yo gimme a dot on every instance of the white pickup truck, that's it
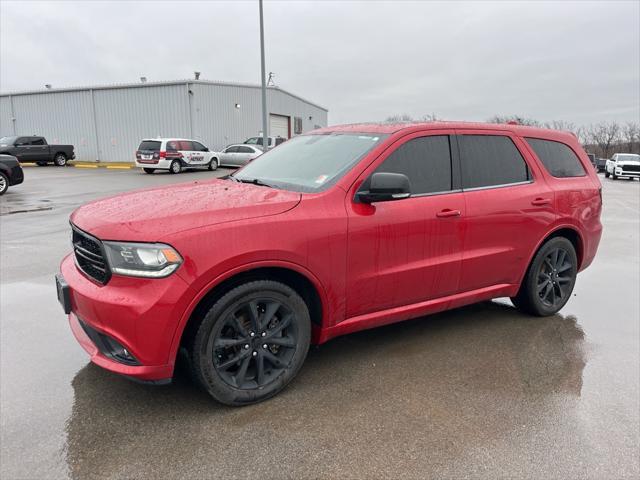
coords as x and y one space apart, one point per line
623 165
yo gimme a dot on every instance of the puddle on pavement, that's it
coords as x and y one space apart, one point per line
441 380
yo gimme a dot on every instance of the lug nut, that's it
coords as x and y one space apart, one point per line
251 334
254 353
263 334
247 346
264 346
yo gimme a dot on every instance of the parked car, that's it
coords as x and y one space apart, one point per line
174 155
36 149
335 231
623 165
592 159
239 155
10 172
601 164
272 141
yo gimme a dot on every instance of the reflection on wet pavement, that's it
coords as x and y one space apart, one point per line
445 377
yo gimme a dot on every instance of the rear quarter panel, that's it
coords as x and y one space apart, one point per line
577 199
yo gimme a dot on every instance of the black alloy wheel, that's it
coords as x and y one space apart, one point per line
554 278
251 343
549 280
256 343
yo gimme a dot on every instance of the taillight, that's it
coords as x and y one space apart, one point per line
163 154
137 154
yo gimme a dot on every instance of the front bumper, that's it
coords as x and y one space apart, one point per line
626 174
142 315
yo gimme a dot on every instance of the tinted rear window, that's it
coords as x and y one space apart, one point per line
559 160
491 160
149 145
426 161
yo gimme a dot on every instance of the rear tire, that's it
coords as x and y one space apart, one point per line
175 167
60 159
149 170
4 183
251 343
549 280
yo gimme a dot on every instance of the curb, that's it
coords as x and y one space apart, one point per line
111 166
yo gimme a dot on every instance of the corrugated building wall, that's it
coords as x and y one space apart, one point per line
107 123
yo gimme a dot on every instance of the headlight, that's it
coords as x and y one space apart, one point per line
152 260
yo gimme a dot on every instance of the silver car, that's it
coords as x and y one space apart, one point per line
238 155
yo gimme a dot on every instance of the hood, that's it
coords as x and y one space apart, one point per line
149 215
628 162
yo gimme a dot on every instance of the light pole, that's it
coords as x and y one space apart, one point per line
265 133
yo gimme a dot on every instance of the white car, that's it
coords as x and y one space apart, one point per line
174 154
623 165
272 142
238 155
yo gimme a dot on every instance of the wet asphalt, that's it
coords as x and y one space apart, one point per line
478 392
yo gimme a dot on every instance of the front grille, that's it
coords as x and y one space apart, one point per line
631 168
90 256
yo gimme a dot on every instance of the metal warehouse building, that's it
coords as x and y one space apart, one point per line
106 123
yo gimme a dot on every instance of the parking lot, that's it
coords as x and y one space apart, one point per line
477 392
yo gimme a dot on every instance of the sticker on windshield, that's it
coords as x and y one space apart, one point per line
321 179
364 137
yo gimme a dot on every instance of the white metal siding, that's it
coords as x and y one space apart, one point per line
124 115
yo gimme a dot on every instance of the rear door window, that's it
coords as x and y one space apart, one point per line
426 161
153 146
231 150
245 150
559 160
491 160
37 141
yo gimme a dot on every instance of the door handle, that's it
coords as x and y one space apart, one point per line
447 213
538 202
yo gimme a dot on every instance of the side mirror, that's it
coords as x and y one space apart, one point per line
384 187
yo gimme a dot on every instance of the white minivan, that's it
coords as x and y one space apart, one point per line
174 154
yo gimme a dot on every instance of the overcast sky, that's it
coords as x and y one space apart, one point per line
364 61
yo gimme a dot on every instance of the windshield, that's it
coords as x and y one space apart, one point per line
309 163
7 140
254 141
628 158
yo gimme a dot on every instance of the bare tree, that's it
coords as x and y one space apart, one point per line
605 136
631 137
398 118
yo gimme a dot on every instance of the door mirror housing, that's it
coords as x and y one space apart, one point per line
385 187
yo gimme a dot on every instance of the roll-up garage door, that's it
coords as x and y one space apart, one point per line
278 126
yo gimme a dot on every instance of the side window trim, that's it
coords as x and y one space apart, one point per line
530 176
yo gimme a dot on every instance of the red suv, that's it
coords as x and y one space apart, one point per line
339 230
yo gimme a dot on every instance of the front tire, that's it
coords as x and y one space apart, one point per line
149 170
60 159
4 183
175 167
251 343
550 279
213 164
606 173
614 176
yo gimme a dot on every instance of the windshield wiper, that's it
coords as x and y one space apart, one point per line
253 181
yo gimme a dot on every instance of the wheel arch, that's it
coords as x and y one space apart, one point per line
303 282
571 233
